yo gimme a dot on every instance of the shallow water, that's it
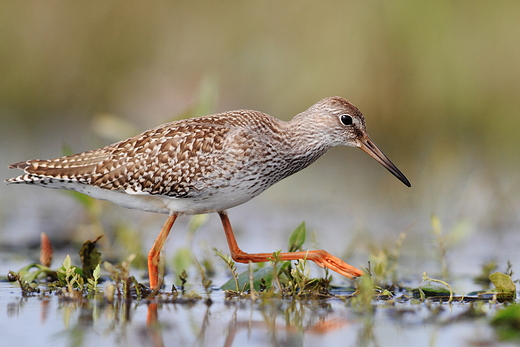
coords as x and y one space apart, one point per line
51 321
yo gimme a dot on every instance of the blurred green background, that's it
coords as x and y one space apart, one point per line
437 81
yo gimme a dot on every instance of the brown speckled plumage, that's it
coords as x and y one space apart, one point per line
193 158
210 164
237 153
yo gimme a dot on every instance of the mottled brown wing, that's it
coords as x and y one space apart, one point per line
177 159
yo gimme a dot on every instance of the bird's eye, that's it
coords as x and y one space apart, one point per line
346 119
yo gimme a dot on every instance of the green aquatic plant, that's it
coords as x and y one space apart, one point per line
34 271
361 300
206 282
71 276
183 259
122 280
231 265
297 238
90 257
289 279
275 261
505 288
27 288
433 291
92 282
383 262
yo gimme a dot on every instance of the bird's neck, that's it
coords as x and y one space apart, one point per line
306 137
304 144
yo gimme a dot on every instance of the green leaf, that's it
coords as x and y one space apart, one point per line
97 272
431 290
503 285
67 262
90 257
29 276
182 260
297 237
265 273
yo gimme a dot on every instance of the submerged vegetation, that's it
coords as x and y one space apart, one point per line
111 284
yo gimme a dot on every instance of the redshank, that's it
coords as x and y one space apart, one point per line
210 164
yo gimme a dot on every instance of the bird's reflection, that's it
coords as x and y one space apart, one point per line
280 322
163 319
153 328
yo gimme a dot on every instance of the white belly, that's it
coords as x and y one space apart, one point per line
218 201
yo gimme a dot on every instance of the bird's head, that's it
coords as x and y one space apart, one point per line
338 122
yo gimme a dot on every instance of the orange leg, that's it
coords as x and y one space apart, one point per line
320 257
153 327
155 253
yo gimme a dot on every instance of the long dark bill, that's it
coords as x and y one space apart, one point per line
370 148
